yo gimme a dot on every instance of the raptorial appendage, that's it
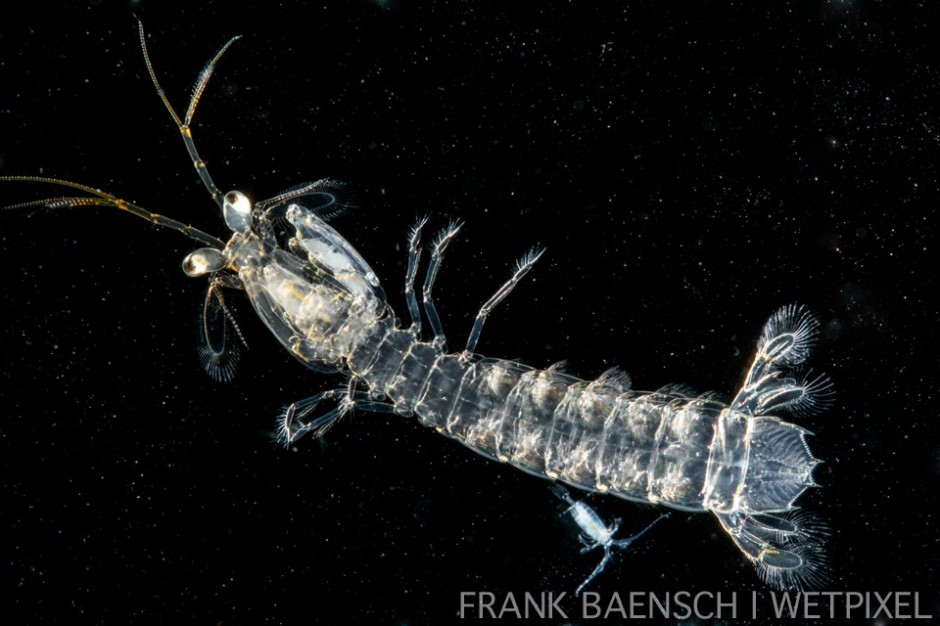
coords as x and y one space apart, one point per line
760 464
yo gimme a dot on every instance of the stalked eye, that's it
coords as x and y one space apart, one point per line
236 208
203 261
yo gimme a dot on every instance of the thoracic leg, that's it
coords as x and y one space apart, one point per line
523 265
414 251
440 244
294 423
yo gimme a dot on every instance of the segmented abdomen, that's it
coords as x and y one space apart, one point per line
596 435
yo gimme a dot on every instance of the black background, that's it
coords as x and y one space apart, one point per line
690 169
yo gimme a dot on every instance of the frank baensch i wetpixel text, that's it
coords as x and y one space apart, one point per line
641 605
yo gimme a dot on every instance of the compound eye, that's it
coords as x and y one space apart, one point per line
203 261
236 208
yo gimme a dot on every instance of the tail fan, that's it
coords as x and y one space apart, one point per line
785 549
773 464
784 345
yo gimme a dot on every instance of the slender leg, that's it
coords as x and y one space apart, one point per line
623 543
294 424
374 407
444 237
597 570
523 265
414 252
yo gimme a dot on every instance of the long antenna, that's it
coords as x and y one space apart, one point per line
184 124
103 199
100 198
